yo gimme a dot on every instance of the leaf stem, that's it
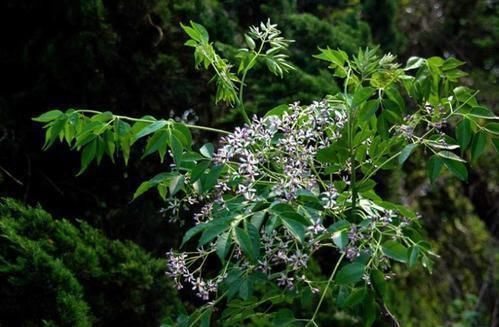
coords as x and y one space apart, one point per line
205 128
351 127
191 126
243 78
381 165
240 98
312 320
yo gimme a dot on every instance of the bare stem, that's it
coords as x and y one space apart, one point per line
191 126
312 320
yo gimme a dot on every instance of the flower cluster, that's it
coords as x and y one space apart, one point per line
178 270
282 150
273 160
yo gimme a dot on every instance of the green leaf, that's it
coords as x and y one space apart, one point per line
245 289
206 317
369 310
88 132
157 142
277 111
413 255
196 31
48 116
465 95
478 145
245 243
193 232
296 228
99 153
223 245
394 95
193 34
110 146
396 207
192 157
463 133
354 298
283 317
435 61
87 155
122 135
181 129
379 282
254 235
336 57
55 130
350 273
326 155
365 185
444 146
199 170
209 180
151 128
395 251
233 282
207 150
143 187
434 167
368 109
176 184
414 63
406 152
450 156
257 219
201 31
340 238
361 95
293 221
249 41
495 141
103 117
492 128
457 168
287 211
213 230
451 64
177 149
155 181
339 225
482 112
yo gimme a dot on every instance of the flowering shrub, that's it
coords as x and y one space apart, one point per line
295 189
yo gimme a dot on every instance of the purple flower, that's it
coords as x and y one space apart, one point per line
315 228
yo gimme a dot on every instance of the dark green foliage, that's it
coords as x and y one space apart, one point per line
381 16
461 289
69 274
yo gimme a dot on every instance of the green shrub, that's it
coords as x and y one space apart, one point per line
63 273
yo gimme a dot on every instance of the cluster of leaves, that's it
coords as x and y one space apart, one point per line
107 134
58 273
267 212
436 102
205 54
264 44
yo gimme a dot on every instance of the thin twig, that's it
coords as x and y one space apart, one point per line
11 176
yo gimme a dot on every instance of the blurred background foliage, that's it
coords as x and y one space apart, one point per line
129 57
69 273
